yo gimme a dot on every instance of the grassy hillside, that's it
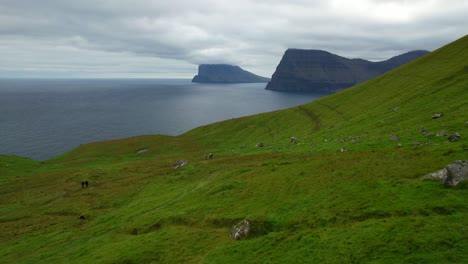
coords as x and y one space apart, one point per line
307 202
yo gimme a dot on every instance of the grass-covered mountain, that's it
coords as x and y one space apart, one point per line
224 73
307 202
321 71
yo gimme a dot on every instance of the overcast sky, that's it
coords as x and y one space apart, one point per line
169 38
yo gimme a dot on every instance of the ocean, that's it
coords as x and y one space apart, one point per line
42 118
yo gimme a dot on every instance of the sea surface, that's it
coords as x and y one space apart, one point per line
42 118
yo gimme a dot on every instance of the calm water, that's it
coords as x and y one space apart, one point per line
43 118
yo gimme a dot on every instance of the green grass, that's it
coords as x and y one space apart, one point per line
307 202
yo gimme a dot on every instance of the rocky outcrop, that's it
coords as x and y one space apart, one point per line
451 175
223 73
321 71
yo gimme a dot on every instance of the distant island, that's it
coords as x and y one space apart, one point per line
224 73
321 71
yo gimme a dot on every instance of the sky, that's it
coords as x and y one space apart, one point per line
170 38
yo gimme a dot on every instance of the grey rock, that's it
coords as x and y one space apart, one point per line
293 140
454 137
394 138
180 163
457 172
437 115
344 149
259 145
441 134
440 175
451 175
241 230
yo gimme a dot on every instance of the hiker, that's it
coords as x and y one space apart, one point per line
86 184
82 184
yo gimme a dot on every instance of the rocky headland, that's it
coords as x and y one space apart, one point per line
320 71
224 73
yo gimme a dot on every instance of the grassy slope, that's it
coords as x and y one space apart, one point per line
308 202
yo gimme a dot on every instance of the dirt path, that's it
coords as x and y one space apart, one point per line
313 117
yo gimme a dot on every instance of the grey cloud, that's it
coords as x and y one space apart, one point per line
179 34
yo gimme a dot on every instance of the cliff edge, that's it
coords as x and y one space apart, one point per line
321 71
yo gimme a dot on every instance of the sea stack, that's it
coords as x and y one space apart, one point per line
224 73
323 72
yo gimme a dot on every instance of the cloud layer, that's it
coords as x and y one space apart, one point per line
137 38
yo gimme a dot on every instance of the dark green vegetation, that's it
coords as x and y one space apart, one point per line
224 73
320 71
307 202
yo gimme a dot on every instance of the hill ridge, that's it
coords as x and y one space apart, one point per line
321 71
225 73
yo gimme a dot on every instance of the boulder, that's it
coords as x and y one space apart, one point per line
241 230
451 175
456 172
454 137
259 145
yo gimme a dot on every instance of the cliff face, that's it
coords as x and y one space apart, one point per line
321 71
223 73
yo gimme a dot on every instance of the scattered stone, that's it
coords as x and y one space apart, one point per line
344 149
436 115
210 155
454 137
259 145
415 144
399 145
141 151
441 134
394 138
423 131
293 140
180 163
241 230
396 108
451 175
